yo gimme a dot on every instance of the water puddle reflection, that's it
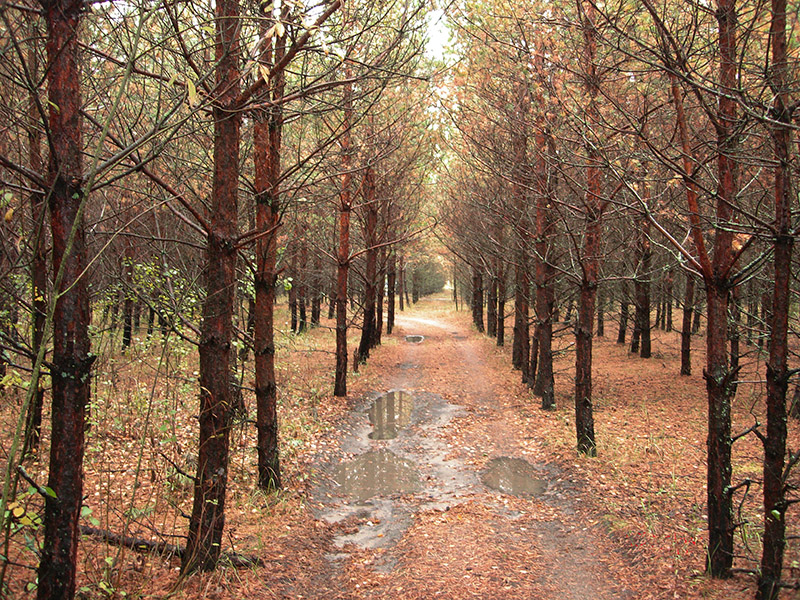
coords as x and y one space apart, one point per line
513 476
390 413
415 339
377 473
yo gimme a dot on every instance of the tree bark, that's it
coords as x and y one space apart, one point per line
775 503
477 299
207 521
72 360
267 133
127 310
401 283
719 378
590 260
343 254
544 383
642 286
33 429
491 307
371 270
391 285
379 295
501 305
686 326
624 311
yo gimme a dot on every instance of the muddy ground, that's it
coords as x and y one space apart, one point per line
458 504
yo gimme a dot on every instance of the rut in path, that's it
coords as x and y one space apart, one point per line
417 520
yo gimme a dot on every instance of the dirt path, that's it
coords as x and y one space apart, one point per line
416 516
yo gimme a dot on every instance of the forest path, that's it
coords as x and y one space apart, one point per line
414 517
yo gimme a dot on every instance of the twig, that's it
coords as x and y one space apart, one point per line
24 474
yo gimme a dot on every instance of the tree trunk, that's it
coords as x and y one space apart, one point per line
686 327
698 310
491 308
33 429
718 385
601 325
127 311
391 285
501 305
637 327
719 378
401 283
477 299
71 359
521 342
534 362
206 524
642 285
371 270
293 294
343 255
301 276
668 298
316 292
267 134
544 384
624 310
733 329
590 260
379 294
775 503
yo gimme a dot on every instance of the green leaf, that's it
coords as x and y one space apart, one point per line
50 492
194 99
776 515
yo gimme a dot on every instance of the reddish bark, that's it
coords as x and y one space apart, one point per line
590 260
207 521
267 162
775 502
520 349
72 360
371 269
343 254
719 378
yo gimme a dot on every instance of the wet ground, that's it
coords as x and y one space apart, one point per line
438 493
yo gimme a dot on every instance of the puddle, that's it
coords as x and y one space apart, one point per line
390 413
513 476
415 339
376 473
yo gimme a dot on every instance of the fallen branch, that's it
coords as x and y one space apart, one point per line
142 545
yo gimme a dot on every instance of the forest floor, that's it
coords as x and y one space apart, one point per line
440 476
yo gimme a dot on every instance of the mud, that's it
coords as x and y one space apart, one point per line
390 413
514 476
